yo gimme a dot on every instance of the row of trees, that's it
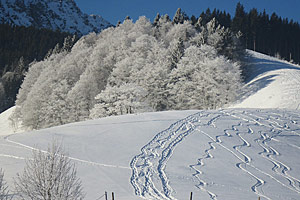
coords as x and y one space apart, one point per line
19 46
269 34
48 175
134 67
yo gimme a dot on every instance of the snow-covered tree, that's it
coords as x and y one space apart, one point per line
126 99
179 17
177 51
4 193
203 80
156 20
130 66
49 175
34 110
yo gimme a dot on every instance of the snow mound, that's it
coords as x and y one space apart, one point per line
275 84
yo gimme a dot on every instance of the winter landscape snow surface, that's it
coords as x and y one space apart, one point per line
248 151
275 84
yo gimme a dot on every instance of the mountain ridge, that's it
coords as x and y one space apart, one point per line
63 15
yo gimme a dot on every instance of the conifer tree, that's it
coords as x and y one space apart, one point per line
156 20
179 17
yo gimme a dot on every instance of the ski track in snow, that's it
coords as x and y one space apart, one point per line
262 141
20 145
150 180
152 161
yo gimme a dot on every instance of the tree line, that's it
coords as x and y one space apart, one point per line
19 46
269 34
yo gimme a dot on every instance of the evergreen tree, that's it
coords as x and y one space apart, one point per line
240 20
177 51
19 46
193 20
156 20
179 17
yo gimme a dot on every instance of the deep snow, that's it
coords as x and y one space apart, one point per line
236 153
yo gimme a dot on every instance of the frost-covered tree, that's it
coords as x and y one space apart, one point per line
4 193
126 99
131 66
222 39
177 51
156 20
203 80
179 17
49 175
34 110
42 99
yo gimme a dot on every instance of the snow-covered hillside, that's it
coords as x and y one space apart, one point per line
236 153
52 14
224 154
274 84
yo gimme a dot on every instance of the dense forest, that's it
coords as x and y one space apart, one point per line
19 46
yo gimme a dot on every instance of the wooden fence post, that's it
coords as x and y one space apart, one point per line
105 195
191 196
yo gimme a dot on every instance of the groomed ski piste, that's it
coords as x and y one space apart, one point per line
243 152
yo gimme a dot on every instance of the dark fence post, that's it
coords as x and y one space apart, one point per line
191 197
112 196
105 195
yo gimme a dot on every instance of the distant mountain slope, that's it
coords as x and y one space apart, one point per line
274 84
63 15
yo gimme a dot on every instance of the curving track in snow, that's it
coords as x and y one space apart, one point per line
248 139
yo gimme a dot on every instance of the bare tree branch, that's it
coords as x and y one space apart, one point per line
49 176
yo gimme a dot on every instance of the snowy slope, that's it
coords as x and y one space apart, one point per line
224 154
52 14
6 126
275 84
236 153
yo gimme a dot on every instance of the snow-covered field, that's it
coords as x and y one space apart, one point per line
238 153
